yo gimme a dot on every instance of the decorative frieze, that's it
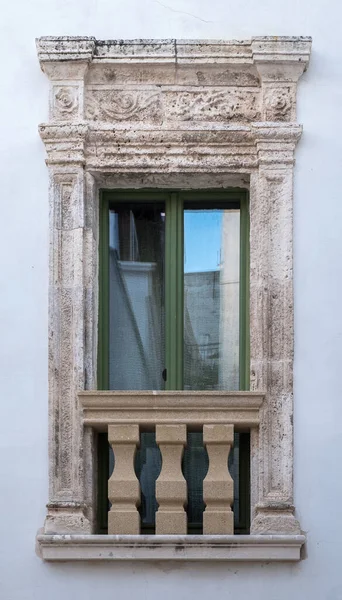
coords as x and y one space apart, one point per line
166 105
122 105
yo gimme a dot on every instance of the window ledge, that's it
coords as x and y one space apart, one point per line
171 547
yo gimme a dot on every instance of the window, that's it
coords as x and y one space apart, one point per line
176 115
174 316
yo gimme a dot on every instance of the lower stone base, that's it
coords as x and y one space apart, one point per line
66 517
275 519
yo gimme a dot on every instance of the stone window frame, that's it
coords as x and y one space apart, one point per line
121 115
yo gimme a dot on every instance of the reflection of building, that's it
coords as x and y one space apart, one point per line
135 341
136 355
201 329
229 301
211 328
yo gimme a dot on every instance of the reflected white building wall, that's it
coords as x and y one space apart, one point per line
229 301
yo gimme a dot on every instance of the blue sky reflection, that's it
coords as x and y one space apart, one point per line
202 240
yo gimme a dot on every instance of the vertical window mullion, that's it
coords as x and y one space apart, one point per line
103 326
244 295
174 267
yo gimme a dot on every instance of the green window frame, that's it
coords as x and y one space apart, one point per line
175 201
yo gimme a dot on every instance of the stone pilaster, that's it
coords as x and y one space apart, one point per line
71 291
271 302
71 270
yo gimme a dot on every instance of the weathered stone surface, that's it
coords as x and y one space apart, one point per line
260 548
168 113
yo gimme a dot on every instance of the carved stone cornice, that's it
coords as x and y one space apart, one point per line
281 49
265 49
171 82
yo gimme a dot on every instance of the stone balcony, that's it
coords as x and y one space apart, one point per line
124 415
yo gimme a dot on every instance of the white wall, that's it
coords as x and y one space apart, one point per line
23 299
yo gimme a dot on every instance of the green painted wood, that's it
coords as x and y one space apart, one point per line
103 323
174 259
103 362
244 343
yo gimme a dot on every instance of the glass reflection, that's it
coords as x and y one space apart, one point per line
211 299
136 297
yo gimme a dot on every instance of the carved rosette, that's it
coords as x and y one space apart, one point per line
66 102
279 104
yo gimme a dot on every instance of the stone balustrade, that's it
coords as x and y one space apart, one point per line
125 414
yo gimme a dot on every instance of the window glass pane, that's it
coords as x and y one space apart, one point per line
211 299
136 296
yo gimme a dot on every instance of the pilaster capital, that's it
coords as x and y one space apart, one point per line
276 142
65 60
280 62
64 143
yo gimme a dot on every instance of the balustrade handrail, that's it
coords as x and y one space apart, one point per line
103 408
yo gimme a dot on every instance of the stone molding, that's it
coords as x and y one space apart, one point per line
170 113
102 409
251 548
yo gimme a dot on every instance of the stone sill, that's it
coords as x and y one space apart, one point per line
170 547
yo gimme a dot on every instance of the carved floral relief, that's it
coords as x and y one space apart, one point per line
65 102
278 104
168 105
212 105
117 105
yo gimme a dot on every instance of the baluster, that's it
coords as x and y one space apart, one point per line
123 485
171 488
218 487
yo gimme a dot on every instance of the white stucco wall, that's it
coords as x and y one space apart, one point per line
23 300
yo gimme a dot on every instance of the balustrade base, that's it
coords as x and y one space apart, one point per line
170 547
218 522
175 521
124 521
